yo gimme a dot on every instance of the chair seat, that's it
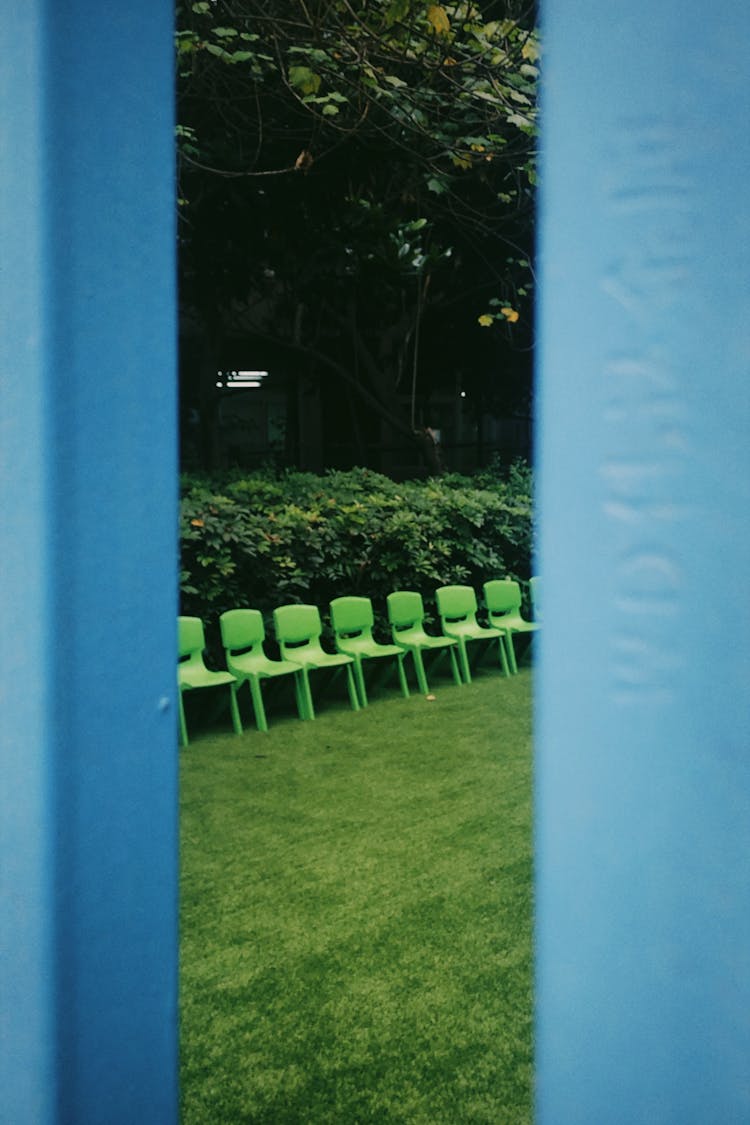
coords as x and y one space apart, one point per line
253 664
471 631
321 659
353 618
419 639
298 630
203 677
358 646
517 623
406 617
502 597
192 672
457 607
243 633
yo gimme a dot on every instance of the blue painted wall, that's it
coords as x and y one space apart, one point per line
643 763
87 474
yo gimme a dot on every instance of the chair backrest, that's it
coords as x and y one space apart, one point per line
535 592
191 639
502 595
297 624
456 603
242 629
352 616
405 609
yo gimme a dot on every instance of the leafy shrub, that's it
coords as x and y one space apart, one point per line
264 540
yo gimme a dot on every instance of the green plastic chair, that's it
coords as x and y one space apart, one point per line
298 629
193 674
406 617
535 591
243 634
502 596
457 607
352 619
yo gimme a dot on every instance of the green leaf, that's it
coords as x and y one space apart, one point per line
215 49
523 123
530 49
329 110
304 79
397 10
486 96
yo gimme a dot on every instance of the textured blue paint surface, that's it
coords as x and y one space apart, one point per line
88 447
26 831
643 724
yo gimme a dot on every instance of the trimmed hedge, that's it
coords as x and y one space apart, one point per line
264 539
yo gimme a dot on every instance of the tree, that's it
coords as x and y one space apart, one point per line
356 183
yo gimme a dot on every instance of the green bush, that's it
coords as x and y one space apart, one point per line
264 540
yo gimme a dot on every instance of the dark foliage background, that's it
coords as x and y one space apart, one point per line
356 182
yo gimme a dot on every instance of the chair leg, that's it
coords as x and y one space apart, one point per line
360 678
501 645
299 696
419 671
402 675
454 665
463 657
352 689
306 693
236 720
183 725
511 648
260 712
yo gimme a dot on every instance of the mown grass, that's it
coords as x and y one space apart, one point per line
356 914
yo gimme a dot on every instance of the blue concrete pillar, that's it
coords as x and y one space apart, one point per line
88 586
643 753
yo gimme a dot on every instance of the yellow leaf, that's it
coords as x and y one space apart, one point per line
196 523
438 17
459 160
486 320
510 314
304 79
530 50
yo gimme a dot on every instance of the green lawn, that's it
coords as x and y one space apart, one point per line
357 913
